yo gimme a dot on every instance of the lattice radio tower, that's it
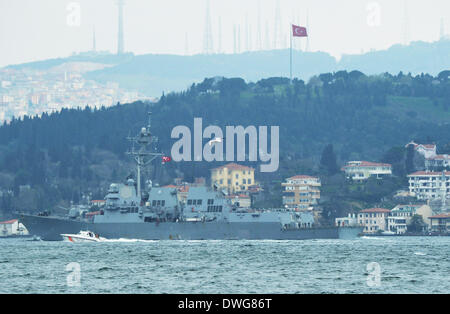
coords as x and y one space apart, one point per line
120 39
278 32
208 46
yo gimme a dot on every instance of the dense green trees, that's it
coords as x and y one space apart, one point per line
72 152
416 225
409 163
328 161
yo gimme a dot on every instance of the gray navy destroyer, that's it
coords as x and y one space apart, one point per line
159 213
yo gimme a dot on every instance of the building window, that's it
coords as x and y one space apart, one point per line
249 181
244 181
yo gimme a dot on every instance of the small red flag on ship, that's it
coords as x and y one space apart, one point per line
166 159
299 31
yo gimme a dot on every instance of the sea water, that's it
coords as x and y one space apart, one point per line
364 265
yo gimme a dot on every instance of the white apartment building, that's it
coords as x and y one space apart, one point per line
374 219
401 216
426 150
440 223
301 191
363 170
428 185
437 162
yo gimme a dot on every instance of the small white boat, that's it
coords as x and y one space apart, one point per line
83 236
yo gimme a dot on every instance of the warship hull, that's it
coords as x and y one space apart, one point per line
51 228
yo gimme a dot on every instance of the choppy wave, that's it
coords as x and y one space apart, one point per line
406 265
123 240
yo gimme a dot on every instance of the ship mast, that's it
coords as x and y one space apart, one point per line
142 155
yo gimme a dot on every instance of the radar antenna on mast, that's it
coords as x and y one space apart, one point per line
142 155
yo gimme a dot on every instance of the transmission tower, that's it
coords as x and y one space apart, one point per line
247 32
442 30
278 32
309 31
267 38
208 46
186 44
94 45
234 39
259 45
219 49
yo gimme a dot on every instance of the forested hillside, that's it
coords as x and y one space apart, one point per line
62 157
151 74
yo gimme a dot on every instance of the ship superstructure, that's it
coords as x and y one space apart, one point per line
153 212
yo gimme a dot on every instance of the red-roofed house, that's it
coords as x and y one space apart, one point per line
233 177
363 170
440 223
401 216
301 191
428 185
374 219
426 150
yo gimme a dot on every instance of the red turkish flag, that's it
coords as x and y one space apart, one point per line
299 31
166 159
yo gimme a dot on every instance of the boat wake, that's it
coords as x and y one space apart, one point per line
371 238
123 240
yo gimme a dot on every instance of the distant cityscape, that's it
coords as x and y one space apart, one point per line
32 92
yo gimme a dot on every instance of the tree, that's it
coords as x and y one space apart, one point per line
416 224
445 149
409 162
328 160
395 156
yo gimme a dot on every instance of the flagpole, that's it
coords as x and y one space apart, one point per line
290 32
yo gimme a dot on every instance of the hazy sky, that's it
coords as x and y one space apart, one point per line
40 29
